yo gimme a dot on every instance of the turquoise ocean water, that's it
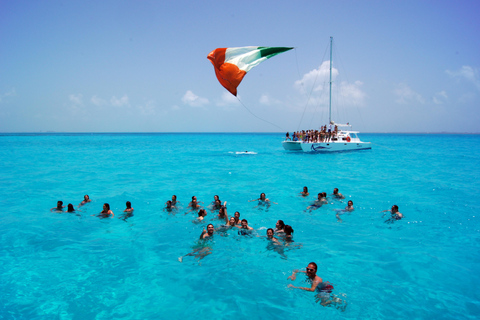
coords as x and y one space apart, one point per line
78 266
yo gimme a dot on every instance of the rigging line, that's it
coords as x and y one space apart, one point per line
273 124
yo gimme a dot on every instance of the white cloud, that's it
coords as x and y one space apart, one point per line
316 85
228 99
440 97
123 101
267 100
318 79
193 100
76 99
468 73
7 94
405 95
148 108
98 101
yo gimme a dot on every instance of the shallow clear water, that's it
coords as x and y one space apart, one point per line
77 266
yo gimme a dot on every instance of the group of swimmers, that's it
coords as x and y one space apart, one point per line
105 213
322 135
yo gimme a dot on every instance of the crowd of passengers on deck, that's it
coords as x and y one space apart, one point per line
316 136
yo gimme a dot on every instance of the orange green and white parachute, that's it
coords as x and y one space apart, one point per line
232 64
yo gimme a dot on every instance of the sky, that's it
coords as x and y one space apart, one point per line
141 66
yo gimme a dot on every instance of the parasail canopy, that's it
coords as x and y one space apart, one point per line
232 64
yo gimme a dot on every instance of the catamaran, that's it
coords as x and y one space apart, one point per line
344 140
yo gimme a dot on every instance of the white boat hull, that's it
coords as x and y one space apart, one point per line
335 146
292 145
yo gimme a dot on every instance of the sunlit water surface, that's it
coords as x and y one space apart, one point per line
78 266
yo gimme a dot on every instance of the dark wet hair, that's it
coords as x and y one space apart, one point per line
270 229
305 188
202 213
175 197
288 230
314 264
70 208
335 191
395 207
129 204
107 205
282 224
245 220
209 225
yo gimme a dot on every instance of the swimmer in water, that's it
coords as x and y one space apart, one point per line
169 206
216 205
349 206
263 200
288 234
174 201
323 289
128 212
129 207
208 233
237 217
244 228
106 212
270 236
86 199
59 207
279 226
222 212
395 215
202 213
194 204
317 203
304 193
337 195
70 208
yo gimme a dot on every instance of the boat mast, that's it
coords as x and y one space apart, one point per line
330 104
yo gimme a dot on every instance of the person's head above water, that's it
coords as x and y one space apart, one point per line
270 232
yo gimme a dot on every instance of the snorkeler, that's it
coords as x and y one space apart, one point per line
59 206
337 195
323 289
86 199
304 193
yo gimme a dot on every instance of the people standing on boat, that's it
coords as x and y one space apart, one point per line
337 195
59 206
86 199
287 136
294 138
304 193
